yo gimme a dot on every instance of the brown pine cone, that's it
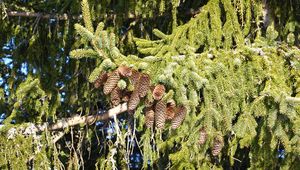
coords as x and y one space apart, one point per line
143 84
126 96
179 117
149 117
171 109
203 136
160 109
133 101
100 80
217 146
170 113
134 78
111 82
158 91
115 96
125 71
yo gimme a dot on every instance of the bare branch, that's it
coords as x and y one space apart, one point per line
76 120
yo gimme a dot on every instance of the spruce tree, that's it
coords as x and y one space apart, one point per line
217 88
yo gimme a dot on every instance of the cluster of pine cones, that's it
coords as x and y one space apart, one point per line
218 142
157 111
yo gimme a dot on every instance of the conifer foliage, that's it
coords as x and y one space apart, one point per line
219 91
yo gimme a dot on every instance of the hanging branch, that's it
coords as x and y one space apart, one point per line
91 119
88 120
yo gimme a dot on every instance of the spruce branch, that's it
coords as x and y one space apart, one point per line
87 16
84 32
80 53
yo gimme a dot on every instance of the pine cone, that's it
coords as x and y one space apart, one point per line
171 109
111 82
100 80
115 96
126 96
170 113
149 117
125 71
160 109
179 117
217 146
203 136
144 84
158 91
133 101
134 78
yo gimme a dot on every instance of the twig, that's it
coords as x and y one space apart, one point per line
57 136
236 159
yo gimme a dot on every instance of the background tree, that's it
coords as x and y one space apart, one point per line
196 84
